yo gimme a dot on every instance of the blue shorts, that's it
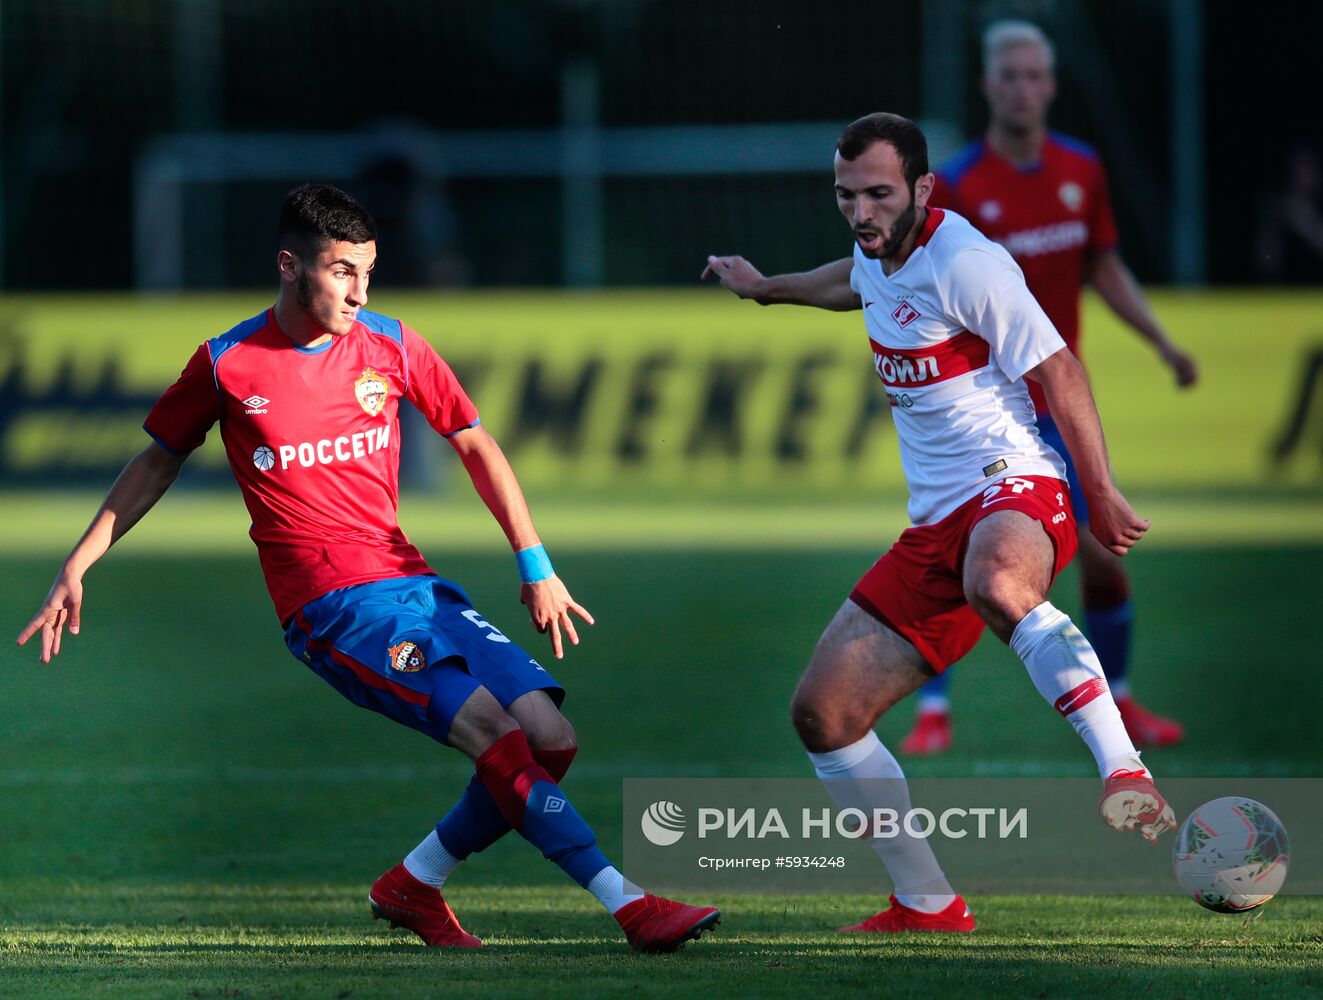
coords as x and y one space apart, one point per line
413 649
1047 430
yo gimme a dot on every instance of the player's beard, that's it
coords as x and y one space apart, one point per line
895 236
303 294
900 229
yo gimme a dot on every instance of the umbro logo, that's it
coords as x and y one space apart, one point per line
554 805
255 404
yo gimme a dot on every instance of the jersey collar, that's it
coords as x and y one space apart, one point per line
935 217
271 314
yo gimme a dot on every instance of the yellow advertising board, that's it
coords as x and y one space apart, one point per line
682 393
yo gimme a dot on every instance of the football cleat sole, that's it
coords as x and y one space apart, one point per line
708 923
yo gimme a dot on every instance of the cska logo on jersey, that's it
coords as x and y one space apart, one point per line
905 314
406 658
1071 195
371 389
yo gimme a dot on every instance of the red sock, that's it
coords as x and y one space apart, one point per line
555 762
506 769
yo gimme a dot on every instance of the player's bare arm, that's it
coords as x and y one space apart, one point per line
1111 519
143 481
1119 289
825 287
548 601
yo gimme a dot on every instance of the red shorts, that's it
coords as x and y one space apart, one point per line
916 589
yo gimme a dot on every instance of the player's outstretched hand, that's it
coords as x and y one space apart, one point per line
1182 366
1114 522
735 274
549 605
63 606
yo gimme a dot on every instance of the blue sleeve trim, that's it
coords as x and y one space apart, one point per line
217 346
172 451
384 325
1073 145
954 170
464 428
392 328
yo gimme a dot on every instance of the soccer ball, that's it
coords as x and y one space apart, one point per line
1231 854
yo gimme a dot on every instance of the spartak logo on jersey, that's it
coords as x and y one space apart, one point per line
905 314
406 658
371 389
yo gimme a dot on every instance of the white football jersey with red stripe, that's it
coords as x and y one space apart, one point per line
953 331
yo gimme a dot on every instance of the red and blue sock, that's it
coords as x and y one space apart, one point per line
932 696
475 822
533 804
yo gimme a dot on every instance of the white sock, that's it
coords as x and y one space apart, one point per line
864 775
611 889
1066 671
430 863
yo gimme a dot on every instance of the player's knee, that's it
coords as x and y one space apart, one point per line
555 733
826 724
999 596
984 594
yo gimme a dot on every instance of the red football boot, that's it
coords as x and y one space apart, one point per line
899 917
1146 728
656 924
931 734
1130 800
404 901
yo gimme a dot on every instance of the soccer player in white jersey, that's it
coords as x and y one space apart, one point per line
954 333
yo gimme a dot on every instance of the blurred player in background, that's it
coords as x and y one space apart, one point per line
307 395
1043 196
955 332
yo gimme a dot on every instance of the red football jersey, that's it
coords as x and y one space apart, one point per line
313 437
1053 217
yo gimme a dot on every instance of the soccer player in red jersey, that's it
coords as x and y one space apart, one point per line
954 334
1043 196
307 396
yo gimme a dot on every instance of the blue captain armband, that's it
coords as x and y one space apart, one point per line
534 564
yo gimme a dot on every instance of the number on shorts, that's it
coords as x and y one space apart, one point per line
1014 483
494 635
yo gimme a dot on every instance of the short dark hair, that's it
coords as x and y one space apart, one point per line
903 134
314 215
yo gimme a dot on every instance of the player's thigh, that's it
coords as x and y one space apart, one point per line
542 722
859 669
495 660
478 723
415 650
1009 565
371 643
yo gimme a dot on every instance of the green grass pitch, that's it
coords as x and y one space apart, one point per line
188 812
